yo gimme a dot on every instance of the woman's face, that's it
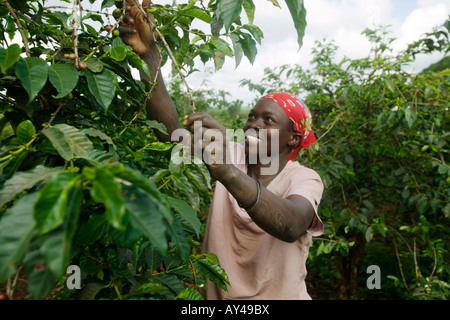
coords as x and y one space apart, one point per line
266 126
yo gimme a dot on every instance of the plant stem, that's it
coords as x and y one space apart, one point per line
153 27
19 26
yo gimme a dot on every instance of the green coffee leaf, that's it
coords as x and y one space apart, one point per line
222 46
237 48
33 72
187 214
59 142
63 77
189 294
55 246
94 64
213 272
9 56
22 181
229 11
146 216
199 14
298 13
275 3
118 53
136 61
102 86
106 190
249 8
25 131
52 204
68 140
17 228
249 47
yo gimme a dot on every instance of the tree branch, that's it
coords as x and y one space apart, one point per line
153 27
19 26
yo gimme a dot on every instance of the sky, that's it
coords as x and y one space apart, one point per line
339 20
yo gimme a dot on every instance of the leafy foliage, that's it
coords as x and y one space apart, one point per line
84 179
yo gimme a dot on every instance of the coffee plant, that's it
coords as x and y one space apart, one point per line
84 179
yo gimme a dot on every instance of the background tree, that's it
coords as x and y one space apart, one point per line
383 153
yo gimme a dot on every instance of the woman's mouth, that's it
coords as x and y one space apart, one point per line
253 139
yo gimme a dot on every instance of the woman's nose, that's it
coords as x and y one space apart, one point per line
256 124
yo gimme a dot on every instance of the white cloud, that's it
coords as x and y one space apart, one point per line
339 20
423 20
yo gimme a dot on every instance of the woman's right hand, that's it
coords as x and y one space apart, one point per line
135 30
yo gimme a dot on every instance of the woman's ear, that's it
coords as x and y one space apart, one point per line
295 139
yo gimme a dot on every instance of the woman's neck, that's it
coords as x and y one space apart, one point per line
267 172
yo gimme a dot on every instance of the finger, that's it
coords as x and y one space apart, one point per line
146 4
191 118
127 19
126 30
203 117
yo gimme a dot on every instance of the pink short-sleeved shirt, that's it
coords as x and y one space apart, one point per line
259 265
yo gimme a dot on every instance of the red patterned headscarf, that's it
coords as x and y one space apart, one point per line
299 113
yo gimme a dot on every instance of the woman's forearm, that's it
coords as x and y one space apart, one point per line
160 106
282 218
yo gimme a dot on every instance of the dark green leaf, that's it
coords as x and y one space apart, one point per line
33 73
68 140
40 282
199 14
213 272
249 47
102 86
145 288
187 214
17 227
59 142
90 290
92 230
255 31
237 48
298 14
146 216
229 11
189 294
9 56
25 131
22 181
94 64
222 46
136 61
106 190
182 184
118 53
178 239
52 203
97 133
98 157
157 125
63 77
